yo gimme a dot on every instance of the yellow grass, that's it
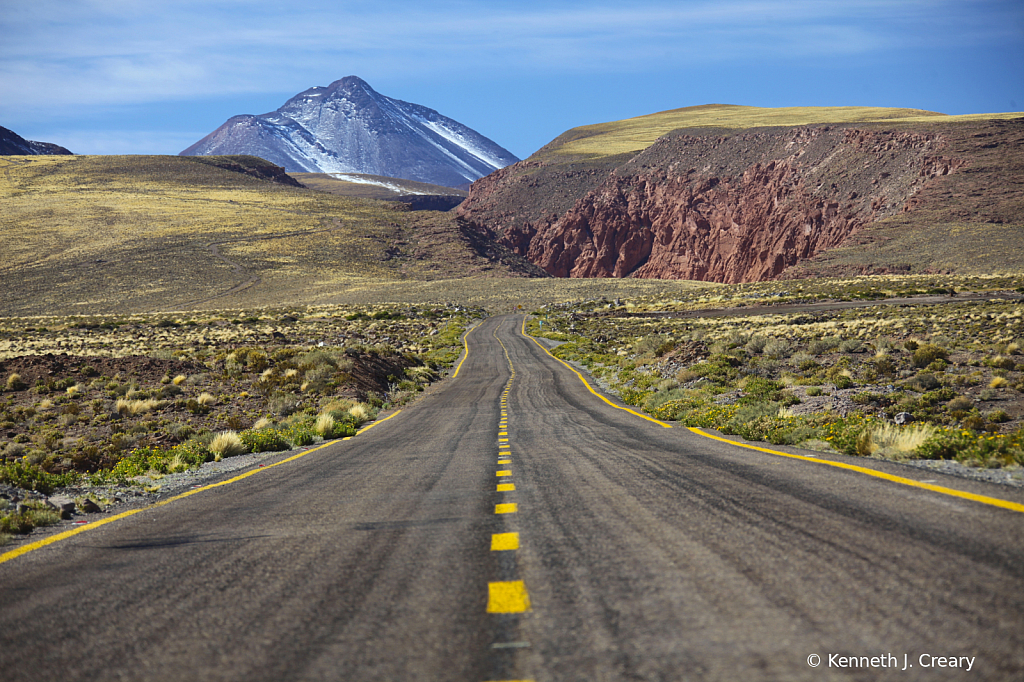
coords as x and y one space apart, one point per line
634 134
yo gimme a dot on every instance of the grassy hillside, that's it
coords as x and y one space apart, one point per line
635 134
95 234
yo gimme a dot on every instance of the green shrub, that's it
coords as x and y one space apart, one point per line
842 381
264 440
998 416
927 354
960 403
28 477
924 381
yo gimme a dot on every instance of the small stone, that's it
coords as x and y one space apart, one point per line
902 418
90 507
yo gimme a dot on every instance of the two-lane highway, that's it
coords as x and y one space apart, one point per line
512 525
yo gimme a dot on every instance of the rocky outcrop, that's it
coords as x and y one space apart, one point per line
724 206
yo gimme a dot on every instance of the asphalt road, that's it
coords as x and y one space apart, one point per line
632 552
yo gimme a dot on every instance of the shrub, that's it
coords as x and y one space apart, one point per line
265 440
998 416
1001 362
842 381
180 432
961 403
14 383
850 346
777 348
206 399
924 381
927 354
29 477
179 380
814 391
227 444
756 344
998 382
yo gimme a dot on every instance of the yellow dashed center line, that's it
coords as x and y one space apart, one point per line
504 472
506 487
501 542
507 597
506 508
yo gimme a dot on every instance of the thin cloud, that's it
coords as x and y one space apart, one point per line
103 52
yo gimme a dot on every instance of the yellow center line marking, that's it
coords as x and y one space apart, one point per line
25 549
507 597
589 387
506 508
503 440
503 433
504 472
506 487
504 446
983 499
504 461
502 542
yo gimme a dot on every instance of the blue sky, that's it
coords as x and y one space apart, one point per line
144 77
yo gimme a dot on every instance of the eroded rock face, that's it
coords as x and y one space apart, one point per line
733 206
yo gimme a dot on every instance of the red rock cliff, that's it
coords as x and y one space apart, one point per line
725 206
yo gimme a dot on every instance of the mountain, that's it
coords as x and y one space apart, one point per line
13 144
740 194
348 127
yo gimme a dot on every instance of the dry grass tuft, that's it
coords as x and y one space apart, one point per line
227 444
894 441
324 425
137 407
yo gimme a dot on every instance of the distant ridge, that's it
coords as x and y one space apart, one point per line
13 144
348 127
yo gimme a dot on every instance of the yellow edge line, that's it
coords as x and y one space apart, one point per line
25 549
983 499
589 387
465 343
379 421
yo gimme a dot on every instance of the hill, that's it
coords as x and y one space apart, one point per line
348 127
737 194
111 234
11 143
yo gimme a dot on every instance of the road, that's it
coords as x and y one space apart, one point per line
512 525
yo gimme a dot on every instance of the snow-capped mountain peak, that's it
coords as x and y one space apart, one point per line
348 127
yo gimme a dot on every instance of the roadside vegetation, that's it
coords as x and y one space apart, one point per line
913 381
124 400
